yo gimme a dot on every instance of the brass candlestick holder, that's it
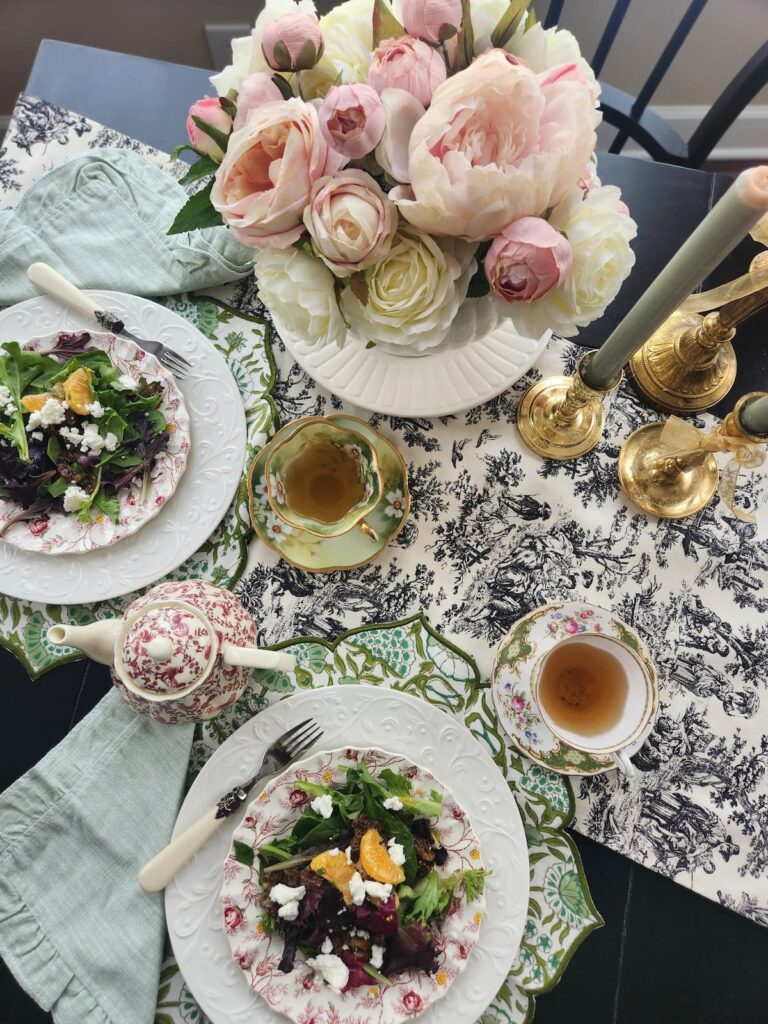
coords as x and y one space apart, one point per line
667 482
689 364
562 417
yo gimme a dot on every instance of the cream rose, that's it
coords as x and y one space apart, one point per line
351 221
545 48
299 291
599 233
264 180
499 142
414 293
348 38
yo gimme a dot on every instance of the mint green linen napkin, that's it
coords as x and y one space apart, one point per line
101 219
75 928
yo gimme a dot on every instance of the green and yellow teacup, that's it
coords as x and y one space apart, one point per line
324 479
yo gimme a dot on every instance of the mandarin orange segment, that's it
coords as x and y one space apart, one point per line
333 866
376 862
78 391
34 403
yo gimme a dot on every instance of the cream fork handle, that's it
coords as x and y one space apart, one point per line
164 867
58 287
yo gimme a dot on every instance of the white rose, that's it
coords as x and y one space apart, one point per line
247 55
414 293
545 48
348 41
599 233
298 290
486 14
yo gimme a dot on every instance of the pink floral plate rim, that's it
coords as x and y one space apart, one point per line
300 995
64 534
512 675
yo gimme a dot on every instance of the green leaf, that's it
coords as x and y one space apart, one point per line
307 57
168 972
382 979
385 24
244 853
109 506
228 105
396 783
220 138
201 168
466 42
284 86
508 23
196 213
174 154
530 19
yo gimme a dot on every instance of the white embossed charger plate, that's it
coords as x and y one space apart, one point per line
355 716
62 533
302 995
440 382
205 492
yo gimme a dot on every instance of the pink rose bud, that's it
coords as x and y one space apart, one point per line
409 64
352 119
293 42
432 20
527 259
255 90
208 109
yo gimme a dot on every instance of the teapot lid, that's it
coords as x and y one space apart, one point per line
166 648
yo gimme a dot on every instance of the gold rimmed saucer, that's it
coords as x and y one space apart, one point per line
352 549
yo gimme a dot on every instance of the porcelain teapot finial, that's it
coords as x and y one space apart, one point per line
182 652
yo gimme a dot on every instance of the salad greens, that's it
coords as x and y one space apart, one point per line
73 430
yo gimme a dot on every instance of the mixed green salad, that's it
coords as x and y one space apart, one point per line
74 430
356 885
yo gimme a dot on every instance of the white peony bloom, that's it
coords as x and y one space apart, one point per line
599 232
542 49
247 55
298 289
348 41
414 293
486 14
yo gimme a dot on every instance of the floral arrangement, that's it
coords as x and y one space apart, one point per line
395 167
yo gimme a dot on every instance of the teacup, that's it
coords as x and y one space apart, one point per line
324 479
596 695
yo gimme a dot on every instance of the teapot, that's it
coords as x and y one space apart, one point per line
182 652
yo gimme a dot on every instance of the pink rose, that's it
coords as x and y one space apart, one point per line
297 797
571 626
518 703
402 111
233 919
409 64
412 1003
498 143
38 526
292 42
264 181
255 90
433 20
527 259
208 109
352 119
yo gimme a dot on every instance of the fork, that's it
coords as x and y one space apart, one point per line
165 865
56 285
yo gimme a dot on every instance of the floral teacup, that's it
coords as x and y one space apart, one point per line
310 463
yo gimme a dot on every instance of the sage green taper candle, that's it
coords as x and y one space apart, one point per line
722 229
754 416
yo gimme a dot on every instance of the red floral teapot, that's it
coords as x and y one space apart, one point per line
182 652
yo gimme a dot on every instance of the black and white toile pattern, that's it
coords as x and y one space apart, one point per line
494 532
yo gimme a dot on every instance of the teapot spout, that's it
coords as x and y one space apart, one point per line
254 657
96 640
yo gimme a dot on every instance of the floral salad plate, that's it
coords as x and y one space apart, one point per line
349 550
528 640
62 533
302 995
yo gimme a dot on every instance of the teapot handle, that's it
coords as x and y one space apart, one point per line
254 657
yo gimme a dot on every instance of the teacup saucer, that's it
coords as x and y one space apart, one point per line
352 549
530 638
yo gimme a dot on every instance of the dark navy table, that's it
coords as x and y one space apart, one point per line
665 955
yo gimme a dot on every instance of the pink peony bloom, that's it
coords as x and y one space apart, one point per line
432 20
527 259
498 143
352 119
265 179
292 42
255 90
402 112
208 109
409 64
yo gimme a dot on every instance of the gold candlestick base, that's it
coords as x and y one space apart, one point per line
670 487
561 417
687 365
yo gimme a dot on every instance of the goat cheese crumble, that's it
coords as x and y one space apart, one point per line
393 803
357 889
396 852
379 890
74 498
52 413
125 383
283 894
377 957
327 946
331 969
323 805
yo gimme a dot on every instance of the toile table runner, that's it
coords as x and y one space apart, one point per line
493 533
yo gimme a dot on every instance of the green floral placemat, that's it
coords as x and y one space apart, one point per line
243 341
410 656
